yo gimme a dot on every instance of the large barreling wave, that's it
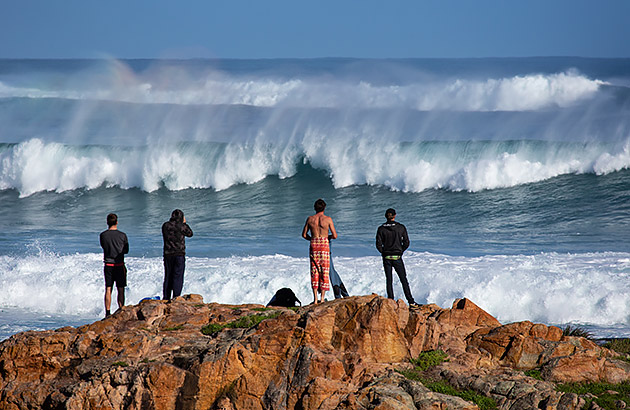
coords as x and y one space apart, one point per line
406 125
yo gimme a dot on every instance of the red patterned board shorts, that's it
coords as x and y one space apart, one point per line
320 263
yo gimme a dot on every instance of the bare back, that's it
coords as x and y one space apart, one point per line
319 225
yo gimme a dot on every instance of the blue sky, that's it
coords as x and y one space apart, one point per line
294 28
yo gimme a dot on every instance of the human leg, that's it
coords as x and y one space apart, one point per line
315 273
399 266
324 279
320 267
108 300
179 265
389 285
121 297
120 277
167 286
109 284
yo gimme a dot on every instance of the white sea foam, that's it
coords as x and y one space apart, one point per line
587 289
34 165
517 93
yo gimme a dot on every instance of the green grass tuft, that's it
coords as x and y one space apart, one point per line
173 328
618 345
607 394
432 358
534 374
213 328
244 322
429 359
120 363
577 331
441 386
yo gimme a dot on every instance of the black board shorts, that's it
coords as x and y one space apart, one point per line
116 274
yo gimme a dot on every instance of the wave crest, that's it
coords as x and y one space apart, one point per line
175 85
33 166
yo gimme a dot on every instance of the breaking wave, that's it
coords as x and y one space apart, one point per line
34 165
180 87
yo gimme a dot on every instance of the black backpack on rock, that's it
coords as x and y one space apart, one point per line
284 297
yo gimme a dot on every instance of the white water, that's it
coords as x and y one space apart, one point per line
34 165
176 86
586 289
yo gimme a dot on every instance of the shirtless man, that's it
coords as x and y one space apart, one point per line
316 231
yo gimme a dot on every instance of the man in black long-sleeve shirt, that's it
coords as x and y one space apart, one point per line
115 245
174 233
391 241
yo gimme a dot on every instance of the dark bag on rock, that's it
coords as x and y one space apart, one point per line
284 297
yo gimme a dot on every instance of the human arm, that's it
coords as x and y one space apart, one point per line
305 234
333 231
404 239
125 246
186 231
379 241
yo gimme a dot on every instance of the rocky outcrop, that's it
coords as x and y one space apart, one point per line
342 354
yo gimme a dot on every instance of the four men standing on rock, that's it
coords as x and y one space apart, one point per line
391 241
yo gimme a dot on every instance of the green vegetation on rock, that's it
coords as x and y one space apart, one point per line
618 345
576 331
244 322
606 395
432 358
441 386
429 359
534 374
173 328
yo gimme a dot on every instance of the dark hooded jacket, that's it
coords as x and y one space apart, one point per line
174 233
391 238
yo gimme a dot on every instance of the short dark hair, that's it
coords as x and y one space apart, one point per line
112 219
320 205
390 213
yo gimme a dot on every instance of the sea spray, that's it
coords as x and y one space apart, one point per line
176 86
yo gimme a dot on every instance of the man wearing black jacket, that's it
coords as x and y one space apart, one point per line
391 241
174 233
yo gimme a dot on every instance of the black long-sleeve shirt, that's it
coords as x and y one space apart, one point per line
115 245
392 238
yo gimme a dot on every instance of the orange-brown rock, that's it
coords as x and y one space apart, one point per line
341 354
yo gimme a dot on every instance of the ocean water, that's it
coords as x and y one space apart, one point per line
511 176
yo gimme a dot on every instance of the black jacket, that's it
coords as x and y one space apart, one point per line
174 233
391 238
